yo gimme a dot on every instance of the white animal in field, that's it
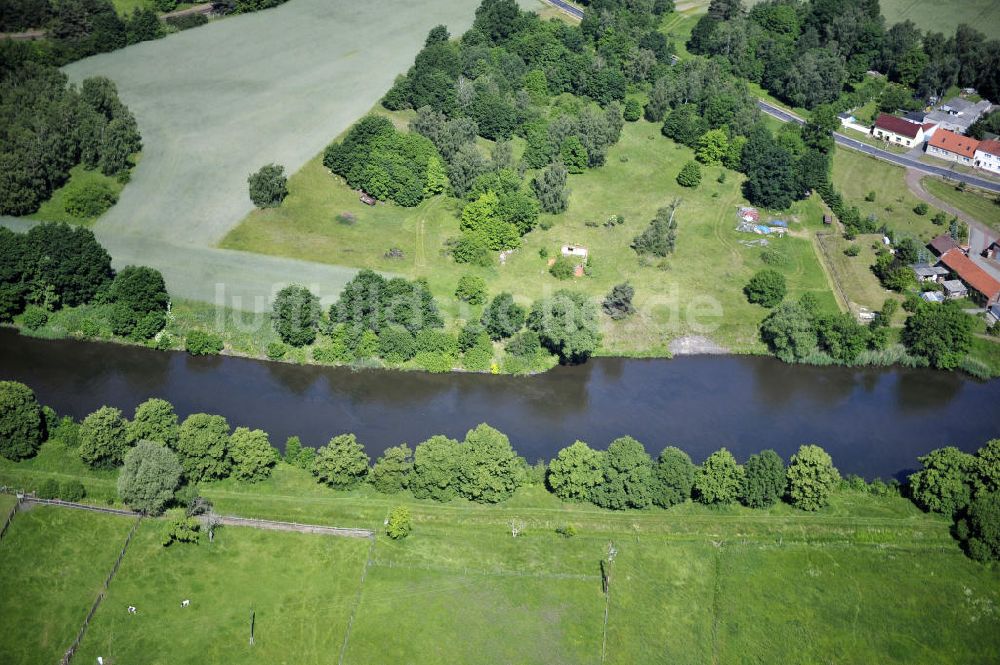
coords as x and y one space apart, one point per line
100 660
185 603
131 609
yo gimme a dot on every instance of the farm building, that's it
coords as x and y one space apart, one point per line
982 287
929 273
942 244
953 288
953 147
958 114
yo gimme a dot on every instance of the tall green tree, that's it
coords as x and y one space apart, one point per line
945 483
575 472
342 463
628 476
154 420
673 477
22 427
489 470
502 317
767 287
203 447
567 325
296 315
150 474
104 438
435 469
550 188
391 472
981 528
718 479
763 480
940 333
811 478
252 454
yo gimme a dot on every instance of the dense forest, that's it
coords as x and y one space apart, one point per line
809 53
48 126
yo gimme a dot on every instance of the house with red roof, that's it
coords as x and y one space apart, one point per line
900 131
988 156
983 287
953 147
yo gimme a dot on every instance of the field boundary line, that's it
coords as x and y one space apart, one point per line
10 515
228 520
68 656
465 571
357 600
829 271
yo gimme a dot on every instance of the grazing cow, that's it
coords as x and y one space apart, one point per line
131 609
100 660
185 603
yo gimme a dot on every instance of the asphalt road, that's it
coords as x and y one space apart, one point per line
575 12
885 155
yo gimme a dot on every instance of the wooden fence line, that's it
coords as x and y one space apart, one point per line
68 656
10 515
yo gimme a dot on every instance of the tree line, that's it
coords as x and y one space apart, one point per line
157 454
48 126
57 265
810 53
398 320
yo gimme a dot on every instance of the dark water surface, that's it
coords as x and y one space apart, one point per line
873 421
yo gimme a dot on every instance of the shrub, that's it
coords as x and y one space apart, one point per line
766 287
633 110
774 257
852 250
22 427
870 196
268 186
471 289
72 490
90 200
187 21
563 268
921 208
568 530
34 317
399 524
49 489
201 343
276 350
396 344
690 175
618 303
182 530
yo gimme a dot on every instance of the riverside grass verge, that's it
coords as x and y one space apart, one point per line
689 585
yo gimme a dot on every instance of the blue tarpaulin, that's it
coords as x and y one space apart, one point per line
778 222
763 229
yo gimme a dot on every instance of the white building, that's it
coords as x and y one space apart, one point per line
988 156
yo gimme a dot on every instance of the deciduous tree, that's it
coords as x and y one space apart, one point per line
575 472
22 427
104 438
342 463
811 478
149 477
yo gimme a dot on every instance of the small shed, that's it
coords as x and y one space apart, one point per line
993 315
954 288
828 219
367 198
577 251
929 273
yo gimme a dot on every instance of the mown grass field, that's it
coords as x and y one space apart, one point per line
980 206
52 564
864 580
703 275
857 175
300 587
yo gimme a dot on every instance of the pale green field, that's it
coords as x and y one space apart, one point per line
982 15
981 207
